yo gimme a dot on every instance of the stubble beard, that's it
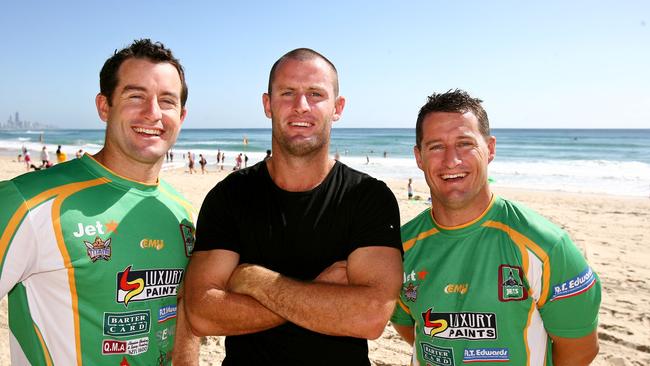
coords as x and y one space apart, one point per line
299 146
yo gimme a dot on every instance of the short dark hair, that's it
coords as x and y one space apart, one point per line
142 49
303 54
452 101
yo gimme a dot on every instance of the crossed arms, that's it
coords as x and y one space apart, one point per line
350 298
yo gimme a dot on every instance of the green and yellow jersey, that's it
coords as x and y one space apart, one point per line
91 262
493 289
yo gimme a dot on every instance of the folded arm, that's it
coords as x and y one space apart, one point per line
211 309
360 308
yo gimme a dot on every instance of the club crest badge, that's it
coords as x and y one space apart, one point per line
187 233
98 249
410 292
511 283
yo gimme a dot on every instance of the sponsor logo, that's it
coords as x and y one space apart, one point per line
486 355
456 288
410 292
437 356
131 347
422 274
187 233
157 244
89 230
414 276
471 326
511 283
164 337
98 249
147 284
409 277
574 286
111 226
124 362
126 324
166 312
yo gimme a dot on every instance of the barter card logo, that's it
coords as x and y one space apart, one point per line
126 324
187 234
147 284
511 283
471 326
98 249
438 356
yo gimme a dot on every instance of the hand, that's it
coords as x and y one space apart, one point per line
337 273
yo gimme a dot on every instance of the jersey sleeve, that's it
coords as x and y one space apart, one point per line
18 243
376 217
574 293
216 227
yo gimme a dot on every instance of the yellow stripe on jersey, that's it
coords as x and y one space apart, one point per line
467 224
11 228
528 321
64 192
409 243
46 352
59 193
524 243
404 307
189 208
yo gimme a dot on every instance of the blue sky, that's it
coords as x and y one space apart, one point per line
552 64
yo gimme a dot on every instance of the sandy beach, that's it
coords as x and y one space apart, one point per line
613 231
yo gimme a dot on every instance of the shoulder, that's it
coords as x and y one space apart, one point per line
517 217
33 183
358 182
418 228
172 193
241 181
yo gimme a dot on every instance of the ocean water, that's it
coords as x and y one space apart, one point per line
612 161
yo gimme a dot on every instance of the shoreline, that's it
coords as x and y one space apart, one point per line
612 230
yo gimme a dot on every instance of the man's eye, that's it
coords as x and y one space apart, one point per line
436 147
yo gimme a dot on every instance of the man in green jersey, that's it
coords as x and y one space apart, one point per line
92 250
486 279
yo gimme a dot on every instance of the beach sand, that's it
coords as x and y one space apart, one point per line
613 231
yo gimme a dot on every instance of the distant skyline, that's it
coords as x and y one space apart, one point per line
578 64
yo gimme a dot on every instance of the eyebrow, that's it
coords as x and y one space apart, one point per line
128 88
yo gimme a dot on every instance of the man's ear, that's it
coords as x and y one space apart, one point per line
103 107
339 104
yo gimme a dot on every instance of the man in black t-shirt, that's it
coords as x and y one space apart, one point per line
297 258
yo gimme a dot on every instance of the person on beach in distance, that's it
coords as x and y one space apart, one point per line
93 249
298 257
203 163
487 279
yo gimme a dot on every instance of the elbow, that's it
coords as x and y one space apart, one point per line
375 325
196 324
375 331
592 355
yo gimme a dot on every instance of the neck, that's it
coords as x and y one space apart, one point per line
129 169
450 215
299 174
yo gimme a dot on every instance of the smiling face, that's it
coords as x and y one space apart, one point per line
302 106
454 157
144 117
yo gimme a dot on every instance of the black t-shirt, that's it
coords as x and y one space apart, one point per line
297 234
